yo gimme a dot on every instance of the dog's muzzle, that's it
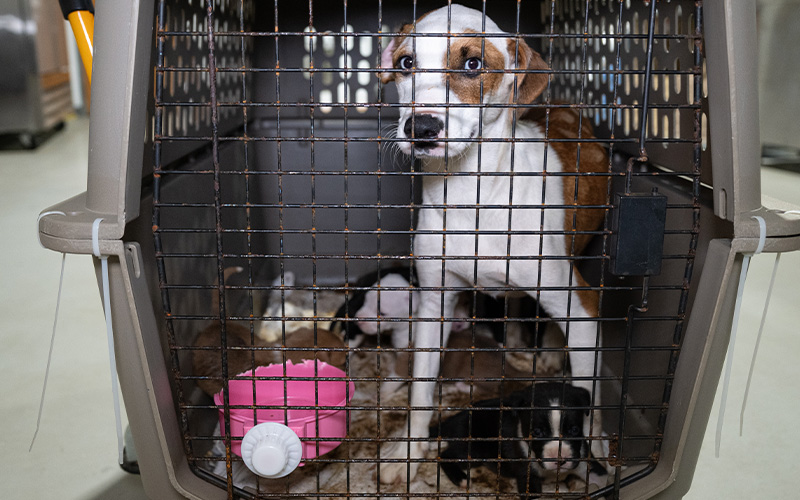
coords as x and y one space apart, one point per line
423 127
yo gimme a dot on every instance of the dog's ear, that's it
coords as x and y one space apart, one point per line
529 85
583 398
520 399
387 56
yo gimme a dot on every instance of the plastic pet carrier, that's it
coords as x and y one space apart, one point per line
267 217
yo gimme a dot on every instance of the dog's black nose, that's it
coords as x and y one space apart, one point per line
423 127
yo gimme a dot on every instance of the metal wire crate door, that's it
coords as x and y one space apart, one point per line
278 197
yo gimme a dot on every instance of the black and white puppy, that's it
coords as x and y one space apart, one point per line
368 307
539 435
384 298
398 291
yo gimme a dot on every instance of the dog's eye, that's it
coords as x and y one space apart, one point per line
574 431
537 432
405 63
473 64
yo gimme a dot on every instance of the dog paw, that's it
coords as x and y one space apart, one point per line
401 469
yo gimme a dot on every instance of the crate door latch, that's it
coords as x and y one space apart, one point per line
637 239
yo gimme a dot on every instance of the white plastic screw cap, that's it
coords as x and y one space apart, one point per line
271 450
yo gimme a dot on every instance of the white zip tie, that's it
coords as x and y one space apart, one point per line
762 238
763 320
110 332
761 331
762 233
53 334
39 219
96 237
758 341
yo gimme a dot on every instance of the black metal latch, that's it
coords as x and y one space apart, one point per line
637 240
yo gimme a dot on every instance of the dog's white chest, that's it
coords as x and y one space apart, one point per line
502 219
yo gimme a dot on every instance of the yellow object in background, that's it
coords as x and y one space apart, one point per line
82 23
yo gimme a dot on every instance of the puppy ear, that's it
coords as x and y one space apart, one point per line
583 398
519 399
529 85
387 56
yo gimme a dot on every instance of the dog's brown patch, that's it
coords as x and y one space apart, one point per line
563 123
397 48
470 88
529 85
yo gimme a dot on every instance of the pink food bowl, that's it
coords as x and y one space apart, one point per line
316 392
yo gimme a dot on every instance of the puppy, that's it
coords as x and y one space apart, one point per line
370 306
391 293
468 360
502 211
539 436
288 302
245 354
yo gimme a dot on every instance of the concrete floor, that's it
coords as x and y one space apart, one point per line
75 453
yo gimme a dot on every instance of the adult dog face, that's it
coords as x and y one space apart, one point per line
456 80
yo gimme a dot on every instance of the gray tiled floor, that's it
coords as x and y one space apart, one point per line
75 454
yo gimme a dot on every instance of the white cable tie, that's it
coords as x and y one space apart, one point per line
762 238
758 341
762 233
39 219
55 322
96 237
729 360
50 352
112 359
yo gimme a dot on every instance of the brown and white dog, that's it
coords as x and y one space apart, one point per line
460 117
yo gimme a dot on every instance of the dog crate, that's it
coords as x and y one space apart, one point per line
244 166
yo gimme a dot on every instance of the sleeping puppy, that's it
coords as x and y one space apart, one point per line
543 429
380 300
246 353
285 300
464 100
369 306
386 296
469 360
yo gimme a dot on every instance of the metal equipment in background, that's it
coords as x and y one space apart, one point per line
34 82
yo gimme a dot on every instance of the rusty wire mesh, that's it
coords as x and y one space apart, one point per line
275 178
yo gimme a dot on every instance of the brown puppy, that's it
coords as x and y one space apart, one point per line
245 354
463 365
328 347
